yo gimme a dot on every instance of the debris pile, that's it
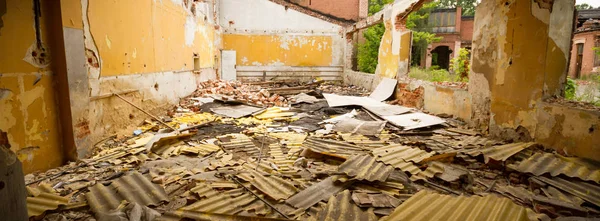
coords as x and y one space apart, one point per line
320 159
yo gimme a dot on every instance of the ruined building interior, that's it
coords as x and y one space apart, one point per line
251 110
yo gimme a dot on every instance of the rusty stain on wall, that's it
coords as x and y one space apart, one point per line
283 50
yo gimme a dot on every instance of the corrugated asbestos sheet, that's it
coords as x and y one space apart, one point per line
201 149
364 141
476 141
333 148
316 193
500 153
234 143
341 207
134 188
43 198
279 158
393 153
427 205
212 201
555 165
180 215
365 167
581 189
275 187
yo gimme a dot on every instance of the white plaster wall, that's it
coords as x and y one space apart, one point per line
254 15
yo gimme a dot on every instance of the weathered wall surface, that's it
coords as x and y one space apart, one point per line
28 107
587 38
148 48
276 46
344 9
394 52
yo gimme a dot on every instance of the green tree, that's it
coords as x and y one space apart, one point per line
460 65
583 6
468 6
422 36
369 50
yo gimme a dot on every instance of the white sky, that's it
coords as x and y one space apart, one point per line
593 3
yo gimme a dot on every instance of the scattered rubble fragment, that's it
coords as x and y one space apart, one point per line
284 151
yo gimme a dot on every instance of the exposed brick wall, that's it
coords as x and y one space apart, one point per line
466 29
588 53
345 9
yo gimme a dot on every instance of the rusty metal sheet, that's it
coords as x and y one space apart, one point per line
274 187
194 215
341 207
499 153
427 205
542 163
412 121
235 143
365 167
212 201
333 148
42 199
134 188
316 193
394 154
584 190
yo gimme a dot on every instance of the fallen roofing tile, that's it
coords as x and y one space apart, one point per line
316 193
44 198
160 140
414 120
212 201
341 207
235 143
275 113
272 186
279 158
364 141
475 141
184 215
395 154
559 195
584 190
332 147
134 188
235 111
499 153
446 172
365 167
462 131
374 200
541 163
355 126
427 205
392 189
201 149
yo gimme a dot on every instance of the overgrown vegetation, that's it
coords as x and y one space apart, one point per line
460 65
368 51
570 89
583 6
468 6
422 35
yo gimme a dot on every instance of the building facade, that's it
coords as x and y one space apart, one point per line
456 32
584 61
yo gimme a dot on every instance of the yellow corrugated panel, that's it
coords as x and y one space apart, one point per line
427 205
44 198
541 163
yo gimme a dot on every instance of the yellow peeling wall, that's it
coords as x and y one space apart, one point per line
135 37
28 111
390 63
281 50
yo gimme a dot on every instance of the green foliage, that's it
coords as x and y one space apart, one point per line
460 65
422 36
468 6
570 89
369 50
583 6
596 50
434 75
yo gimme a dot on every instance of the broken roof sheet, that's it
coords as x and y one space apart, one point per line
427 205
212 201
134 188
274 187
446 172
316 193
541 163
234 143
379 108
341 207
195 215
392 154
332 147
414 120
44 198
499 153
365 167
384 89
581 189
235 111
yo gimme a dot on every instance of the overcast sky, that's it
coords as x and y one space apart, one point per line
593 3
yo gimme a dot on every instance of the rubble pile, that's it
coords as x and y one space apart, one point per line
311 161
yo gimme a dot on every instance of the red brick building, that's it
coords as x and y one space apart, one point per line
456 32
587 36
352 10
